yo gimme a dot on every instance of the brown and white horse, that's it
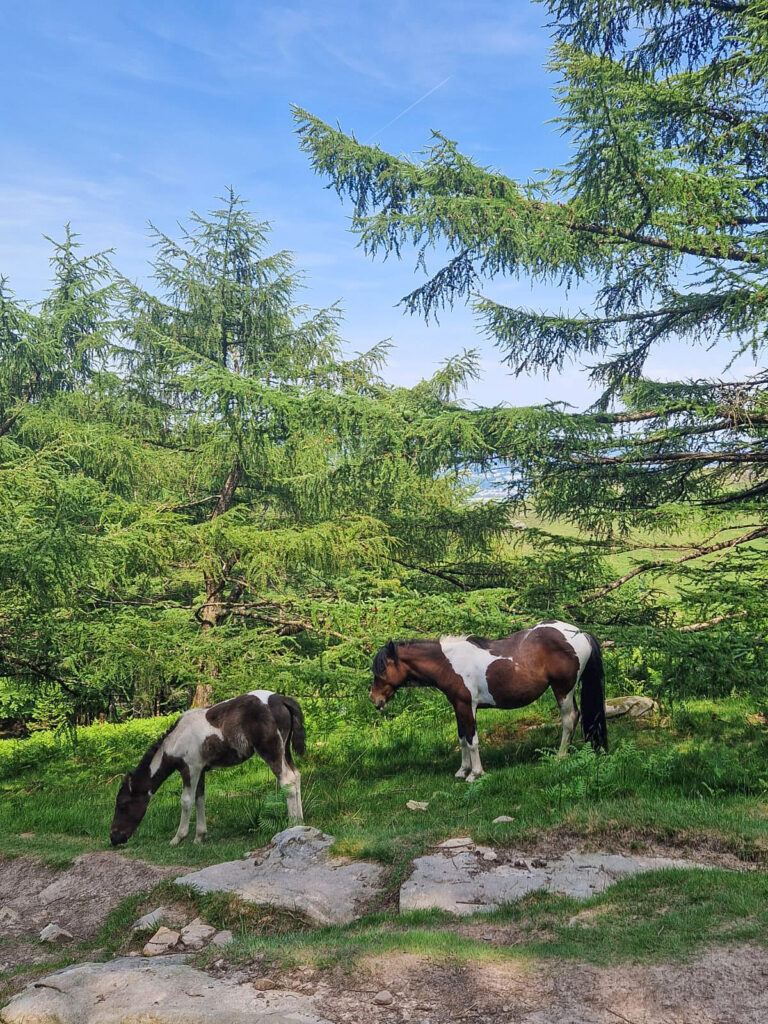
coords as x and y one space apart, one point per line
506 673
259 722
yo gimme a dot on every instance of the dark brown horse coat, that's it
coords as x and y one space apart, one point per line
506 673
259 722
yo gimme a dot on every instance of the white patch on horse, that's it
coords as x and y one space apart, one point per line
577 640
185 741
471 663
263 695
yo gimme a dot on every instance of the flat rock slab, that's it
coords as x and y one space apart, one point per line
136 991
634 707
461 880
295 872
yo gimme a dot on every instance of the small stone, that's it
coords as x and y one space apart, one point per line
490 855
162 941
417 805
384 998
150 920
53 934
223 938
196 934
26 835
9 916
264 984
454 844
502 818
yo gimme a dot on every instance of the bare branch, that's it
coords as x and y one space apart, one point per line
699 552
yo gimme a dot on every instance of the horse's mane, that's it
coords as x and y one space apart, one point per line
390 650
151 750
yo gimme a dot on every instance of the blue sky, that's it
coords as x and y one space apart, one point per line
120 114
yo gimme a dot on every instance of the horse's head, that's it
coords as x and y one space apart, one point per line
130 808
389 674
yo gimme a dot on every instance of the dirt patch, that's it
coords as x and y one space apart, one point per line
717 851
725 986
77 898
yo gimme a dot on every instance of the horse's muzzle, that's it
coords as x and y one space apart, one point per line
118 838
381 703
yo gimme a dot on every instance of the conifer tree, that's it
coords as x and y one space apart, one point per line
663 209
197 488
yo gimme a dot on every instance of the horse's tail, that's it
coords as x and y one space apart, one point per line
297 735
593 698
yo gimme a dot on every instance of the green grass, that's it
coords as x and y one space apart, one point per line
652 917
704 773
697 779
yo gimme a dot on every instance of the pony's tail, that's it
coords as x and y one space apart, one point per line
297 735
593 698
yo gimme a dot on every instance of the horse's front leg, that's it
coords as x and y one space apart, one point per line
187 799
466 765
200 826
471 768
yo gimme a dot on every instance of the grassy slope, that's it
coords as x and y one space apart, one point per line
697 779
703 772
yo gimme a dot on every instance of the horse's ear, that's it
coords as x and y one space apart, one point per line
391 650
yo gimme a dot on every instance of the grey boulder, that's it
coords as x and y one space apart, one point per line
296 872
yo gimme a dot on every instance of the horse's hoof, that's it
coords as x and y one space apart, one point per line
200 839
472 776
175 841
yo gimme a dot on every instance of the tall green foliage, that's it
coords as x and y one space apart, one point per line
662 209
194 482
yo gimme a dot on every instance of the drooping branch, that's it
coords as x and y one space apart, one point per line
699 552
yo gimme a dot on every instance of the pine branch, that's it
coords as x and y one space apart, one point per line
433 572
637 238
252 610
696 627
700 552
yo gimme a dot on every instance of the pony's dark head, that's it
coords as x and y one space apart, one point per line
130 808
389 674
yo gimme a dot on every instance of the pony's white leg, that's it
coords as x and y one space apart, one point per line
474 759
200 826
290 781
569 715
465 762
187 799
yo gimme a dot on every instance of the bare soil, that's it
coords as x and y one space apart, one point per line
724 986
77 898
715 850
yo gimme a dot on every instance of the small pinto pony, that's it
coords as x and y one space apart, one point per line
507 673
259 722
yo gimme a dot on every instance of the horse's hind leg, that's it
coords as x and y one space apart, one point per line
281 764
290 780
200 826
569 715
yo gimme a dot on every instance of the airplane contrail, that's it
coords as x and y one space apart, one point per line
404 112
